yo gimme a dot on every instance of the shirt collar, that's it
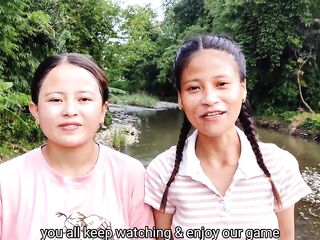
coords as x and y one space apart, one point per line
190 164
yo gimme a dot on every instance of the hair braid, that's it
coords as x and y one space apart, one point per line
249 129
182 138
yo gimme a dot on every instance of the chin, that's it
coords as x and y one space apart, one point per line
214 132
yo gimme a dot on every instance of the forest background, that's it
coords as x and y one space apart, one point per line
281 40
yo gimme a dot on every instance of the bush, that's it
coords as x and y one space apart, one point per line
17 127
287 116
311 124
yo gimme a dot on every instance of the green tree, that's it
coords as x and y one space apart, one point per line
21 34
137 48
269 34
84 26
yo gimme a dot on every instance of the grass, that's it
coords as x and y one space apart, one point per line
136 99
118 138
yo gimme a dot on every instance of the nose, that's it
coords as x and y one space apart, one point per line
210 96
70 108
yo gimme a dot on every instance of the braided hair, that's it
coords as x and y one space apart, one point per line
245 118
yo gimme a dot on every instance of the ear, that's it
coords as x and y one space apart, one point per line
33 108
244 88
104 111
179 100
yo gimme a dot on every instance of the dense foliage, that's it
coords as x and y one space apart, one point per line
281 40
276 36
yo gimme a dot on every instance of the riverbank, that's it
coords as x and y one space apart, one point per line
301 124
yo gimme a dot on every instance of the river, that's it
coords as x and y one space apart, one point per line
160 130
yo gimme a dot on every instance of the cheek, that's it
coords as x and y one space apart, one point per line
46 111
93 111
236 95
189 105
188 99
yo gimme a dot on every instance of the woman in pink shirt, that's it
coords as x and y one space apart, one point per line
220 182
71 187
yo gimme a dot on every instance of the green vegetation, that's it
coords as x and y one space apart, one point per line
299 123
118 138
311 124
137 99
18 132
9 150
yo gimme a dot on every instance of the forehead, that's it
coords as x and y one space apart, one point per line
69 76
211 61
213 54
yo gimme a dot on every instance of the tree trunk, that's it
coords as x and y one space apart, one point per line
299 74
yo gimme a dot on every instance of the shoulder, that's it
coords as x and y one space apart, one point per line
16 170
19 163
274 155
163 164
285 172
279 162
157 176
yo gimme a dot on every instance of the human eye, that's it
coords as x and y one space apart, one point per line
193 88
85 99
54 99
223 83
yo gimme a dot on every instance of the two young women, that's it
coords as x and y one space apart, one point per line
220 177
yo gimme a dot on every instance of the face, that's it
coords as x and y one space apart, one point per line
211 92
70 106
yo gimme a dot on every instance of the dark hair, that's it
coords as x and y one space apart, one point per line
75 59
245 118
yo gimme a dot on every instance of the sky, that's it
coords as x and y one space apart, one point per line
155 4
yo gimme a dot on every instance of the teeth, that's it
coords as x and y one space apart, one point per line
213 114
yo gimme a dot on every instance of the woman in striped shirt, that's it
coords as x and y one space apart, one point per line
220 182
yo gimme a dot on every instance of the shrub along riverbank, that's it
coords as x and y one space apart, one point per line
300 123
136 99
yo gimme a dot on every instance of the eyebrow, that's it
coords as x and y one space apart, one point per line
191 80
213 77
49 93
82 91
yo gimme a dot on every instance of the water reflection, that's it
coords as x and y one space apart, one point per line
160 130
307 152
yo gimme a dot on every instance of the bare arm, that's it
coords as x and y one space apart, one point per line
162 220
286 223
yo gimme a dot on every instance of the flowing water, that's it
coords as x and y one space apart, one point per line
160 130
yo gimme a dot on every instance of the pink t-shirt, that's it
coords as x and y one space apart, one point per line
36 202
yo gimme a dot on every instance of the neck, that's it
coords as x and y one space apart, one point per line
219 151
71 161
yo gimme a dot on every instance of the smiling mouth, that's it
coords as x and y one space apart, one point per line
69 126
213 114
